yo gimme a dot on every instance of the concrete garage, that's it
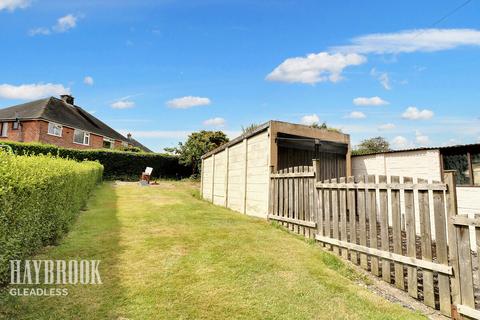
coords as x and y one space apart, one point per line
236 175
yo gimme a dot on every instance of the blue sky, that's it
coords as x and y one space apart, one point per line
162 69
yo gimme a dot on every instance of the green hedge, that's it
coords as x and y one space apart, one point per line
39 198
118 164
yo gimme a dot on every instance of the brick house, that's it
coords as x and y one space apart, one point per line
60 122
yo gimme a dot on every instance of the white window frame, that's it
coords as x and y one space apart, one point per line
86 137
112 142
4 129
52 125
125 144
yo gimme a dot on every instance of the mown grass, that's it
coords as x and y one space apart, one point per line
166 254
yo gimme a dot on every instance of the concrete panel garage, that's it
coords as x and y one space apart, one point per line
236 175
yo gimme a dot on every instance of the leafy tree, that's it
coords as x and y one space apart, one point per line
250 128
197 144
373 145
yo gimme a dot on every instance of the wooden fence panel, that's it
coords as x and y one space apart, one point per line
373 222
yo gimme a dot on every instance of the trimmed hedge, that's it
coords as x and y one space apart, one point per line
39 198
118 164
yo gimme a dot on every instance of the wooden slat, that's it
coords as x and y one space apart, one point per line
383 217
442 253
465 273
301 210
285 199
290 199
306 198
353 220
334 209
291 174
295 214
426 245
362 221
342 207
311 197
310 224
327 212
410 230
464 220
437 267
397 234
385 186
469 312
371 207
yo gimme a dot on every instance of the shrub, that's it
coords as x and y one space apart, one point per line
118 164
39 198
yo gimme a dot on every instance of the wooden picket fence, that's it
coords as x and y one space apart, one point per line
396 228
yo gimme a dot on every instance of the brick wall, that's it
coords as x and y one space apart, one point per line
37 131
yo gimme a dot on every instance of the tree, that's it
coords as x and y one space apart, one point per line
373 145
197 144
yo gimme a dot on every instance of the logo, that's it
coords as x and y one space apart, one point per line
35 273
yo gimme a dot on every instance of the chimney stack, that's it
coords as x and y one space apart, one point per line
67 98
129 136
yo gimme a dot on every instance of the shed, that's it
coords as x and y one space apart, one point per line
236 174
429 163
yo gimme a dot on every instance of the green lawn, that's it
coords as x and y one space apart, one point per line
168 255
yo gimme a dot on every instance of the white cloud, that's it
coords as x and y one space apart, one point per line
386 126
310 119
385 81
315 68
382 77
88 80
400 142
32 91
372 101
11 5
188 102
413 113
123 104
215 122
63 24
421 139
424 40
356 115
39 31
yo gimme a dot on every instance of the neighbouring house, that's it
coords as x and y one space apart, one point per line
236 175
430 163
60 122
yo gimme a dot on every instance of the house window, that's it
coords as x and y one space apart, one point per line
81 137
16 125
125 144
55 129
108 143
3 129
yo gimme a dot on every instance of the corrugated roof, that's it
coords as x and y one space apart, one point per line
57 110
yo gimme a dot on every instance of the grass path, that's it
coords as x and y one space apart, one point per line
168 255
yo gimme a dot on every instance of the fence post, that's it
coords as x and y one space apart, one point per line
318 197
271 189
451 198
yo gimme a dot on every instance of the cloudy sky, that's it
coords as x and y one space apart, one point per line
407 71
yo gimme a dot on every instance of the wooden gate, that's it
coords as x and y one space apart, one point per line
396 228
